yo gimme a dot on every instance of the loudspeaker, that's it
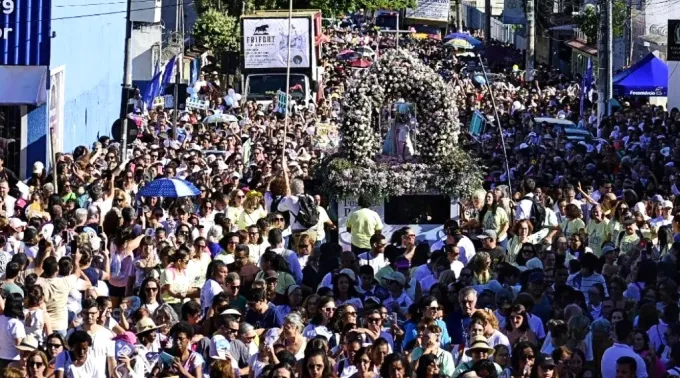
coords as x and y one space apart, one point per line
117 130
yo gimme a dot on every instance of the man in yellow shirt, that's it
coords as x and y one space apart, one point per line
363 224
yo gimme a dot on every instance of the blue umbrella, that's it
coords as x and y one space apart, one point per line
169 188
467 37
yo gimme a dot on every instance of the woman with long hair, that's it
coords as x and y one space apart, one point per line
150 294
122 263
252 210
517 326
310 307
577 245
54 344
37 365
544 367
176 285
273 261
523 234
37 320
428 367
491 328
364 365
236 199
643 349
573 222
522 360
396 365
344 289
12 329
215 279
316 365
494 217
480 265
320 323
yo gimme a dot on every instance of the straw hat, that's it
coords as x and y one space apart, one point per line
479 343
145 325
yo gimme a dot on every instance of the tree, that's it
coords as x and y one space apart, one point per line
589 20
217 30
334 8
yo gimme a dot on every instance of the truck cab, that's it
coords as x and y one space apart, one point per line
262 87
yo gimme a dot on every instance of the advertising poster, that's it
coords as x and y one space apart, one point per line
433 10
327 136
265 43
56 101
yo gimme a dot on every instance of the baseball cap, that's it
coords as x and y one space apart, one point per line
271 274
488 234
16 223
667 204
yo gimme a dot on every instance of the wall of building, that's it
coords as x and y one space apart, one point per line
146 50
88 45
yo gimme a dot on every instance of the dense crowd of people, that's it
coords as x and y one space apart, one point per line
572 273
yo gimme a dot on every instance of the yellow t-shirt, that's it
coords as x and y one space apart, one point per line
570 227
234 213
597 234
363 224
613 229
496 221
245 219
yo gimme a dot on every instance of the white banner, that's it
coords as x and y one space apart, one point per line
435 10
56 99
265 43
513 12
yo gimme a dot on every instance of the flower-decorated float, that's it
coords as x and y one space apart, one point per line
419 189
439 165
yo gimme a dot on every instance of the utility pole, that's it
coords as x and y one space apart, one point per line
459 16
604 55
127 77
487 21
629 16
531 44
179 37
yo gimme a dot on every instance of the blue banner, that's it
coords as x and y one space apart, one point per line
167 71
586 85
25 32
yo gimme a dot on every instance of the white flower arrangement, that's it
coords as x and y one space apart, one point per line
360 168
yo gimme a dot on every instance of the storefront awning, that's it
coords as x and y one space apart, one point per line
26 85
582 47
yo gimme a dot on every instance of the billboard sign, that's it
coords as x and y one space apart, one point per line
431 10
265 43
673 43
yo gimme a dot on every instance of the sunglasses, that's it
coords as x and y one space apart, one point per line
35 364
375 320
55 346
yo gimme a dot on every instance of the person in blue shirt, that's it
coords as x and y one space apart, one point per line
260 313
457 323
428 309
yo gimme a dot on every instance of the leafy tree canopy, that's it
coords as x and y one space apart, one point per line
589 20
217 30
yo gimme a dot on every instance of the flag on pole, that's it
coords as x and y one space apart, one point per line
160 79
586 85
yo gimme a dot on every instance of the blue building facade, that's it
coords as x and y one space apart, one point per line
81 46
87 51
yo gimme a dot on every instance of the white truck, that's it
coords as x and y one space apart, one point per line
265 55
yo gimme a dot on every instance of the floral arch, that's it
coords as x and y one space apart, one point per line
440 166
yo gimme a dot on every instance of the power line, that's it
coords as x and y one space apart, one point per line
103 13
92 4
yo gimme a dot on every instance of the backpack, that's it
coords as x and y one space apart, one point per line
308 216
537 214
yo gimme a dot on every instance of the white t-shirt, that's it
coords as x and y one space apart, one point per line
10 330
292 205
323 218
35 323
376 262
90 369
210 289
103 345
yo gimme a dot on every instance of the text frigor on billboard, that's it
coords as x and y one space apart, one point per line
265 43
7 9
